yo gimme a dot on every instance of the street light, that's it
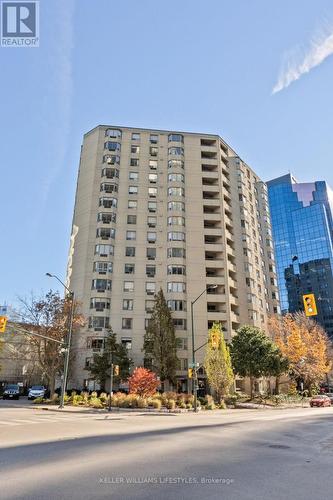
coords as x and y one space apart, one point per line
68 340
194 379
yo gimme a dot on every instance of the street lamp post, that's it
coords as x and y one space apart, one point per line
195 378
68 341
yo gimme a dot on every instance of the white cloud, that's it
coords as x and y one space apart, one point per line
300 62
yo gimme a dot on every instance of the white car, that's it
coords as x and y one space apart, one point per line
36 391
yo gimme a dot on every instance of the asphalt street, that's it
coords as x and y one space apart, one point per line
233 454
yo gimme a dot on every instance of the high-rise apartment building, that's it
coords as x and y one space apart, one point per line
303 235
172 210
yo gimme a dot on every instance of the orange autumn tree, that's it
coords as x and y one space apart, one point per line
305 344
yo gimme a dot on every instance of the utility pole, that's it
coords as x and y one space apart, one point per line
111 379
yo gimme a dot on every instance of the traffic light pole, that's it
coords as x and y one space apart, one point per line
111 380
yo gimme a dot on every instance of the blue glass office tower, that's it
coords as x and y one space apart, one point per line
302 226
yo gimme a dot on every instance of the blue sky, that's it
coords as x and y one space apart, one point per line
184 65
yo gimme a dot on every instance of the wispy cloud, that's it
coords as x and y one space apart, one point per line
299 62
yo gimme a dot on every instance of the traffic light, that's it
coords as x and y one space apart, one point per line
116 370
3 322
214 340
310 306
190 373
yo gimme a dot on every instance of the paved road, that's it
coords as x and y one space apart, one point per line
236 455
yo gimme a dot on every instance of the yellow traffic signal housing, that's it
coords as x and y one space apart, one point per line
116 369
3 322
214 340
310 306
190 373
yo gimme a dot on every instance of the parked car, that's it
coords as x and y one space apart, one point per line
330 395
36 391
320 400
11 391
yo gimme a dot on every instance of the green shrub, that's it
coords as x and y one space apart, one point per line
222 405
85 397
76 399
210 406
189 406
141 402
156 403
171 404
231 400
95 402
38 401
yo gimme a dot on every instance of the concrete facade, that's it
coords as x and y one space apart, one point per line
194 214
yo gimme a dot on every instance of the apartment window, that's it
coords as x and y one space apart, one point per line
182 344
95 343
176 151
150 288
153 151
132 204
128 286
178 206
152 206
111 159
113 133
131 219
98 322
134 162
126 323
151 221
132 189
133 176
109 188
151 237
176 236
99 304
103 267
177 305
105 233
177 252
128 305
101 285
151 253
176 178
175 164
153 138
130 252
106 217
176 287
175 138
149 306
152 178
172 269
131 235
150 271
182 364
108 202
179 323
104 250
129 268
112 146
153 164
135 136
135 149
176 191
110 173
176 221
152 192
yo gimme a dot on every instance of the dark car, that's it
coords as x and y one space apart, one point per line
12 391
320 400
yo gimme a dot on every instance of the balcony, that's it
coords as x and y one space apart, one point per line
213 240
215 272
210 179
217 316
209 168
214 259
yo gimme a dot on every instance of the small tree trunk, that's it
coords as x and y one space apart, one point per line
277 385
251 387
52 385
